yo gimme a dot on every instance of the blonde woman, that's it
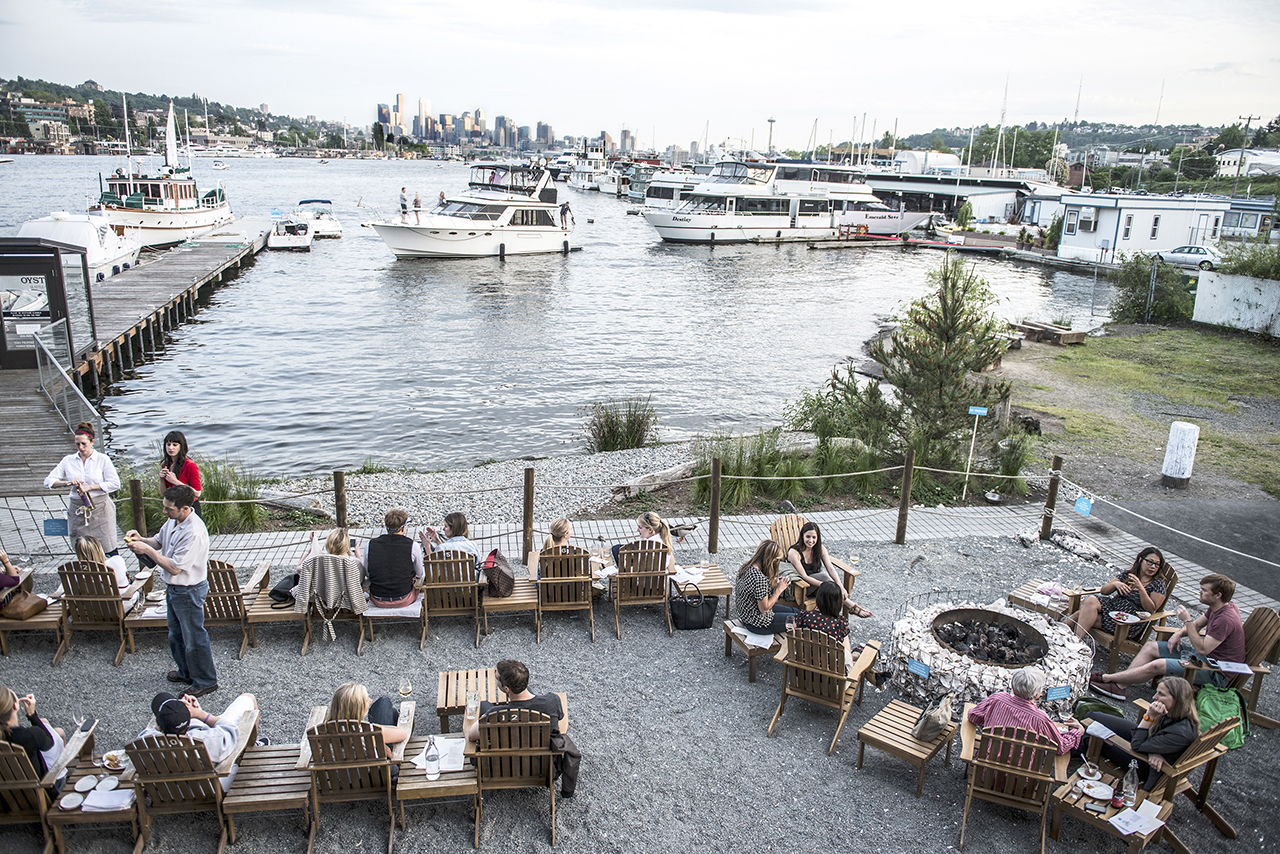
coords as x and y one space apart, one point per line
1166 729
89 550
42 743
561 531
351 702
758 589
651 528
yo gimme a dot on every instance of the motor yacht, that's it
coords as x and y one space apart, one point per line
318 213
106 252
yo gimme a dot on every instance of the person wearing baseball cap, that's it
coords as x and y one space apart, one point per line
183 716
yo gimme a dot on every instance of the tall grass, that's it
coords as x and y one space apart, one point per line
620 425
1012 454
220 480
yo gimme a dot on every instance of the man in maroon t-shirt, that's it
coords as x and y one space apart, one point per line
1218 632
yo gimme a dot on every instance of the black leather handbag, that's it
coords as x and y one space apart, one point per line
693 612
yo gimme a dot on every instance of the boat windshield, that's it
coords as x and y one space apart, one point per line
702 204
468 210
499 176
740 173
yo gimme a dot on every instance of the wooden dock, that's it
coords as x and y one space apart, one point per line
132 313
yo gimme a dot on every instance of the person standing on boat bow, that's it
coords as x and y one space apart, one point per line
404 205
566 215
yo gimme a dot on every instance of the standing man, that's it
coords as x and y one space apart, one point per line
1218 632
404 205
513 682
181 550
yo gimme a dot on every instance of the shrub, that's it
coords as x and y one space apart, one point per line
964 216
1054 234
620 425
1260 259
791 464
1011 454
742 460
1132 300
225 480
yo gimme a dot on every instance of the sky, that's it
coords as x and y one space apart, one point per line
675 71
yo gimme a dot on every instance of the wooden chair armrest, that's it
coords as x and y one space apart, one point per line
845 567
405 722
1156 617
26 580
968 734
865 660
316 717
75 743
260 579
247 731
564 719
1163 631
133 588
1060 773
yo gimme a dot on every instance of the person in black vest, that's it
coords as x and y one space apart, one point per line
393 562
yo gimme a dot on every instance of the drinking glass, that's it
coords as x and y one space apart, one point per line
473 704
406 687
77 714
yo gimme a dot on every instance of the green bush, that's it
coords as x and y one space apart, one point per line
1131 297
791 464
964 216
620 425
220 480
1054 234
743 459
1011 455
1258 259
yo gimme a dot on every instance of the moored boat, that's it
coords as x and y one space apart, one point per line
107 252
318 213
290 234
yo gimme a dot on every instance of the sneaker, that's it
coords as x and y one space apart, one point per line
1107 689
566 795
175 676
200 692
263 742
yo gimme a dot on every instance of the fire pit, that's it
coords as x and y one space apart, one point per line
931 652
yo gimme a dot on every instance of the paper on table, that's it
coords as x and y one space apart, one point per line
608 570
753 639
156 611
1235 667
1040 599
1129 821
450 750
687 574
1099 730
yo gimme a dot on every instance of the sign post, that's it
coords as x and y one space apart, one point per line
977 412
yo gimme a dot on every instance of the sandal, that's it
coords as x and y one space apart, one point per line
859 611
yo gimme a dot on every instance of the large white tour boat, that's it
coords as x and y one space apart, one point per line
166 208
588 168
507 209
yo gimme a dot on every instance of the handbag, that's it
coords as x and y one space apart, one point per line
282 594
496 568
693 612
23 605
933 720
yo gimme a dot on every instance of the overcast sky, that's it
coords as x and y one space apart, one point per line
674 70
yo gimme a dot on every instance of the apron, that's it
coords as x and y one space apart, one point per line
99 523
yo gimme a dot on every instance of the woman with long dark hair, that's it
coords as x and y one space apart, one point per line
1139 588
177 467
811 562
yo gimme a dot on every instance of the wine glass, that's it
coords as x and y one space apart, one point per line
406 687
77 714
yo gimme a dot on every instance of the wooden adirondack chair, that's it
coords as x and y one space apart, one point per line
348 763
25 795
815 671
785 531
1205 751
1131 637
641 579
1013 767
225 604
514 752
564 584
449 589
1261 633
91 600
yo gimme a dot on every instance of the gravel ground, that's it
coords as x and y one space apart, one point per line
673 735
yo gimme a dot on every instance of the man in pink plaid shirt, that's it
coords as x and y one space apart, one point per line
1019 709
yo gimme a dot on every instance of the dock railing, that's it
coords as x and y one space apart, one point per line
53 359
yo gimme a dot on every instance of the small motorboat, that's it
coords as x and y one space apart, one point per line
318 213
219 165
290 234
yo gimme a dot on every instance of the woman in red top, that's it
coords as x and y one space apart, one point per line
176 467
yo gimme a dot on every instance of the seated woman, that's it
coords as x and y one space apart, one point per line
651 528
1019 709
558 538
393 562
758 589
10 578
829 617
42 743
454 538
1141 588
811 562
351 702
89 550
1168 728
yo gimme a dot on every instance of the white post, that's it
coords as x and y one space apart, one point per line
1180 455
972 444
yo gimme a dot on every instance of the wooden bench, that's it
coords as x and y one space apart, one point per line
452 688
890 731
414 785
269 780
524 597
752 652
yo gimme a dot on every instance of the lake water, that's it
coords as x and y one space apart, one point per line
316 361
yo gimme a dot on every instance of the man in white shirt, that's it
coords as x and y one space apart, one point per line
181 550
183 716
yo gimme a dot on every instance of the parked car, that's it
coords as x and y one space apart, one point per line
1204 257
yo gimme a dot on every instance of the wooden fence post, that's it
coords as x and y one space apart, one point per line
528 514
135 502
340 498
904 501
713 535
1046 524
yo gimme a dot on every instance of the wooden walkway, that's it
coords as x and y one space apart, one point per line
132 313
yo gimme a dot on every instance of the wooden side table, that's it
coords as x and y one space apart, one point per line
890 731
452 689
1068 802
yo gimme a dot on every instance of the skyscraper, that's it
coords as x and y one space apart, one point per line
628 141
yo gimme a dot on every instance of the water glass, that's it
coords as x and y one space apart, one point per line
77 714
473 704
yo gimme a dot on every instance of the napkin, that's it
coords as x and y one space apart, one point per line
1099 730
116 799
687 574
753 639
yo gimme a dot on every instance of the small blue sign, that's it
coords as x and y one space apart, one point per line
977 410
1084 505
276 214
1058 692
56 528
919 668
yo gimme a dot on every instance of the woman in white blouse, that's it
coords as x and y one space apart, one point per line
92 478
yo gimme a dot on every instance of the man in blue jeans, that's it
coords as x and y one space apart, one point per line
181 550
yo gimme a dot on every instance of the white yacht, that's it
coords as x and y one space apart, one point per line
740 202
318 213
562 166
166 208
588 168
106 252
507 209
290 234
667 189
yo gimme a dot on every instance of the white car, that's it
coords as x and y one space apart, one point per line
1203 257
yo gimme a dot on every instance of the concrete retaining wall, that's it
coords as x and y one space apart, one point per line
1239 302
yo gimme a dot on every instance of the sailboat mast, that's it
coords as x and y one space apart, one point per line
128 144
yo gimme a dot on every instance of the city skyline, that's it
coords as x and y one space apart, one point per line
816 62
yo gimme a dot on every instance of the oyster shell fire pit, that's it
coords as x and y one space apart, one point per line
974 649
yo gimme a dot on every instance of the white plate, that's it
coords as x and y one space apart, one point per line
1095 789
106 784
84 784
71 800
113 759
1086 775
1122 617
155 596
